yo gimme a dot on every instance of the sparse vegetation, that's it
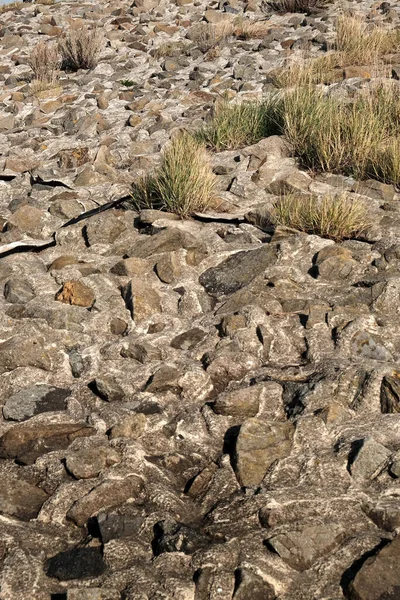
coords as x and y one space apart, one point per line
297 6
45 63
238 125
184 181
127 83
80 48
355 45
12 6
209 36
359 138
337 218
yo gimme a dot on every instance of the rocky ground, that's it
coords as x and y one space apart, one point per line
194 409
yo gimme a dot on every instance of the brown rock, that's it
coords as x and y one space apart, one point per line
62 261
379 576
258 446
141 299
20 351
76 293
20 499
26 443
106 495
131 427
88 462
241 404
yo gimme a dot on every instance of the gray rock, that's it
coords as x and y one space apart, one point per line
370 459
254 587
34 400
300 549
18 291
77 563
20 351
107 388
237 271
189 339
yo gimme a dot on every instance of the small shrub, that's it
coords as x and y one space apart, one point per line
297 6
45 63
238 125
182 184
80 48
337 218
127 83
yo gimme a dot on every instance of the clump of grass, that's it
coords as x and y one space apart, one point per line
247 29
45 63
337 218
359 138
324 69
10 7
80 48
297 6
208 35
182 184
238 125
127 82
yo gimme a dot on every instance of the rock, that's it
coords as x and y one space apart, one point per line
300 549
166 378
176 537
115 526
129 267
18 291
379 576
141 299
103 229
20 499
34 400
20 351
241 403
335 262
168 268
93 594
25 443
189 339
143 353
365 345
106 495
252 586
131 427
390 394
77 294
258 446
62 261
169 240
89 462
107 388
368 459
77 563
237 271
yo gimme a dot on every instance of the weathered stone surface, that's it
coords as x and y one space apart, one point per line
107 388
76 293
254 587
20 499
237 271
18 291
390 394
241 404
20 351
77 563
93 593
89 462
370 459
258 446
141 299
26 443
132 427
188 339
301 549
379 576
169 240
106 495
34 400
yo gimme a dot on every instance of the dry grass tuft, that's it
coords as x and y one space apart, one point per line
12 6
210 36
182 184
337 218
359 138
238 125
45 63
80 48
297 6
247 29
